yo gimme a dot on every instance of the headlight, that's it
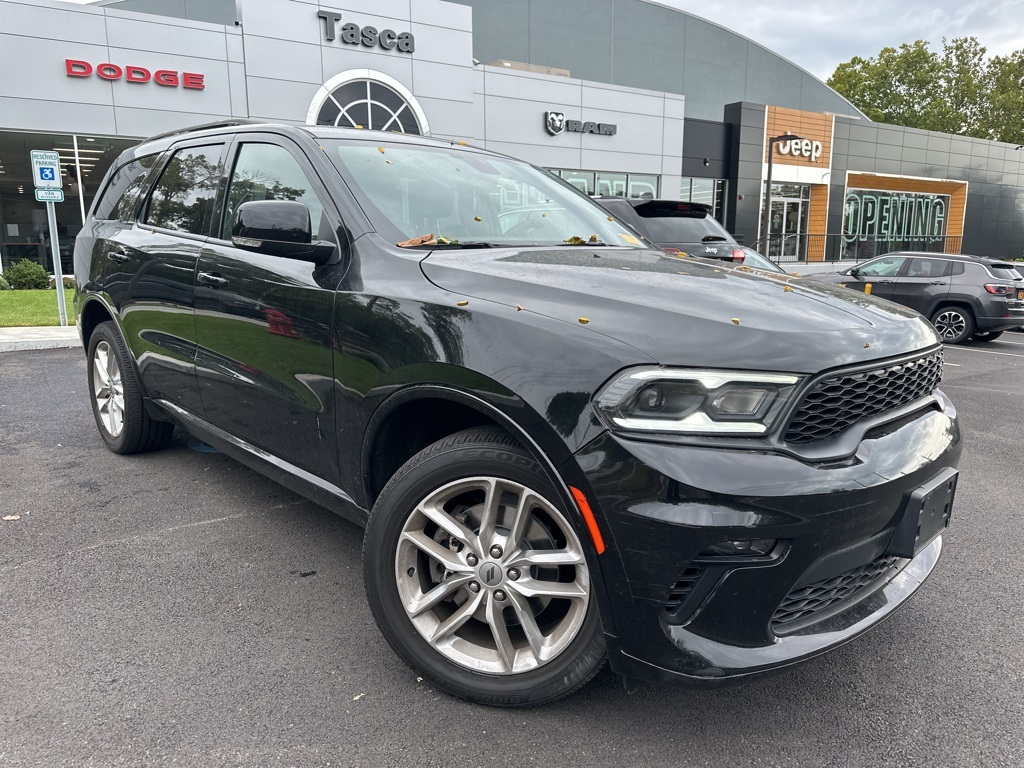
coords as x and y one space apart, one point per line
695 402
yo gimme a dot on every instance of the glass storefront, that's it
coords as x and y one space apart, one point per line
877 221
24 233
787 226
707 191
609 183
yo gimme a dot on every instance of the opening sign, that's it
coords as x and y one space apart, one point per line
46 170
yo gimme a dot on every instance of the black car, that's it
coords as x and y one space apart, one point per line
676 225
966 297
566 445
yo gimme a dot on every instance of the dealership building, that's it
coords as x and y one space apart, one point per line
619 97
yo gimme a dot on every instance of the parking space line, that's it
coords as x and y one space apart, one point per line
983 351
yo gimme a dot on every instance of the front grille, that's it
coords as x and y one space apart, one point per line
838 402
807 603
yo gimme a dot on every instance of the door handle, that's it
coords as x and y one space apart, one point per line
120 255
885 282
937 282
211 278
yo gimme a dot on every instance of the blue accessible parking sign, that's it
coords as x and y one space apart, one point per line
46 169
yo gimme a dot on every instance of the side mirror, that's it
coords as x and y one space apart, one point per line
278 228
853 272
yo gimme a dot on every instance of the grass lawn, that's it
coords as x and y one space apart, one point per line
23 308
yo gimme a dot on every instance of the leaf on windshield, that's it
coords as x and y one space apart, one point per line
594 239
575 240
421 240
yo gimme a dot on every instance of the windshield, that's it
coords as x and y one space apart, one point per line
462 197
686 228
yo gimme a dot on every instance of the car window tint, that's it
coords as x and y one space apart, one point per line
183 197
885 267
958 268
929 268
1005 272
269 172
684 229
118 199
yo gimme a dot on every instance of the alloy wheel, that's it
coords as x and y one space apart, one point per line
950 324
107 389
492 575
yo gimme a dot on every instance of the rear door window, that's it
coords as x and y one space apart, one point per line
183 198
929 268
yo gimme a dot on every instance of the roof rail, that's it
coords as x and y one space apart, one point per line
207 126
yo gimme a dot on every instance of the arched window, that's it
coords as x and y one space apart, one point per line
366 99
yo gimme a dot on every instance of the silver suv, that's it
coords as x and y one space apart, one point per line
966 297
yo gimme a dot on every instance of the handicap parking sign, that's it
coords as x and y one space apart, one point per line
46 169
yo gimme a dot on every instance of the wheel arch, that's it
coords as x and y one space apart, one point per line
93 313
418 416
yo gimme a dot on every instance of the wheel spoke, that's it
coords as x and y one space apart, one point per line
457 619
100 367
502 640
528 623
445 589
527 500
528 557
560 589
442 554
446 522
489 514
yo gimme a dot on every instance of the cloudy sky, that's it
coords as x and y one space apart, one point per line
819 36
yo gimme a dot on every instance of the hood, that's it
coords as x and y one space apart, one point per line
683 311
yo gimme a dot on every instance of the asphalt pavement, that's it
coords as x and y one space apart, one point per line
176 608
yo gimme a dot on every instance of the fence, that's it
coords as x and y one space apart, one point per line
798 249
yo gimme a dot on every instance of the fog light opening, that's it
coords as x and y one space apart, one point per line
742 547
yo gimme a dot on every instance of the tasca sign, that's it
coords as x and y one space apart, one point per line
368 36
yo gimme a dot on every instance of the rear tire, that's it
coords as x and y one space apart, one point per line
477 578
954 324
982 336
117 397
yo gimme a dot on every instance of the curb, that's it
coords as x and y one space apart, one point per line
24 339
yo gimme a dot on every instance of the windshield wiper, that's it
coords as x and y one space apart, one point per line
713 239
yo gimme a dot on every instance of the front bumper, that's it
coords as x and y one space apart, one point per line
679 611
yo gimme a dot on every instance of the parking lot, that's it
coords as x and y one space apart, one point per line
177 608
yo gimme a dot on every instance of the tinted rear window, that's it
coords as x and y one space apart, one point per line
183 198
682 227
1005 272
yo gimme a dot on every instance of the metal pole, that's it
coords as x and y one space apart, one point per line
51 215
766 218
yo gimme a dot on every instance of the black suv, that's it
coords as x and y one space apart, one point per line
966 297
566 445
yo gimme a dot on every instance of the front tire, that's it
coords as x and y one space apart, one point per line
117 397
477 578
954 324
982 336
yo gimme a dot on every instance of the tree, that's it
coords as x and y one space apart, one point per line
959 91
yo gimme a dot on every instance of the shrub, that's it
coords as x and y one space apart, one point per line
4 285
27 274
69 282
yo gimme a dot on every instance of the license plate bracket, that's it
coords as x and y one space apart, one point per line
927 514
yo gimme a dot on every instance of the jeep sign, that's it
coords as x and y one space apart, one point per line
800 148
